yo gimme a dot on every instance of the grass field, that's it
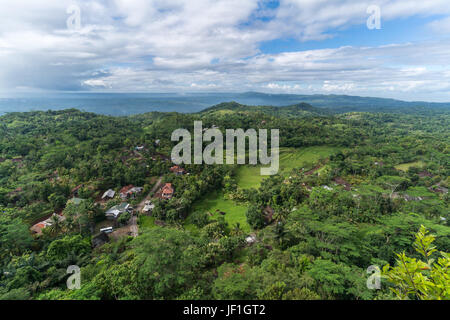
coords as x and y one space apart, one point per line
290 158
250 177
146 222
215 201
405 166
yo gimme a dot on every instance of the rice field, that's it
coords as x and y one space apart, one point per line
290 158
250 177
214 202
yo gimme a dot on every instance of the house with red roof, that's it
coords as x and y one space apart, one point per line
167 191
129 191
178 170
38 227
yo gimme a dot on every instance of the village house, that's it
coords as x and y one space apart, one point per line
109 194
116 211
139 148
250 239
38 227
149 206
407 197
438 189
167 191
129 191
178 170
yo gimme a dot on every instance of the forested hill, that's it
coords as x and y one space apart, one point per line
300 109
351 192
342 103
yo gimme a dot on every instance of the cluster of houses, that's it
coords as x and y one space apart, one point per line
166 192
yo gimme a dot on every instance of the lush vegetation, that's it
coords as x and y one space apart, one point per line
352 191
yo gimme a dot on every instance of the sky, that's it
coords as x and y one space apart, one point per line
287 46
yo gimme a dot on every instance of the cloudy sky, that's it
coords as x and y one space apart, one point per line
287 46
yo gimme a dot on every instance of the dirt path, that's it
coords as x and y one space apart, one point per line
141 205
134 230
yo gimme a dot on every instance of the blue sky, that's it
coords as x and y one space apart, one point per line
398 31
288 46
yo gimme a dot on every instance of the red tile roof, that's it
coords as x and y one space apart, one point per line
177 169
167 190
126 188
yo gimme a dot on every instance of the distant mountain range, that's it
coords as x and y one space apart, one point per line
296 110
121 104
341 103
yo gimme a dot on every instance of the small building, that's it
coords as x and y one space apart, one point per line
250 239
38 227
116 211
177 170
167 191
109 194
139 148
129 191
157 142
407 197
148 207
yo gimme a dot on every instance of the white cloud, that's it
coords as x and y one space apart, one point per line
441 25
159 45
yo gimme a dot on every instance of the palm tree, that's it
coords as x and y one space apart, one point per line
56 224
280 232
281 214
237 230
